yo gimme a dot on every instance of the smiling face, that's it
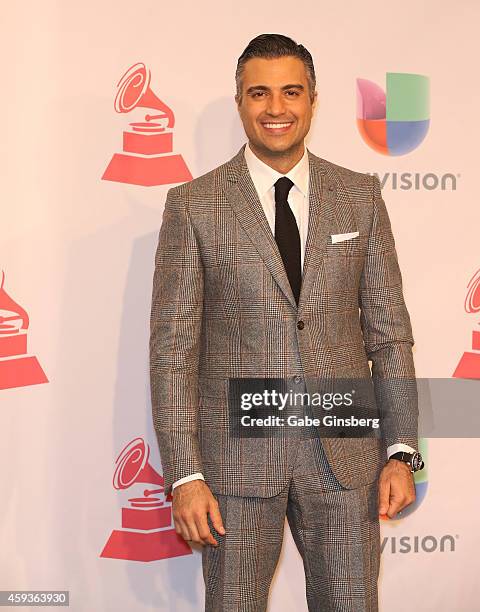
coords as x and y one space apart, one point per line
276 109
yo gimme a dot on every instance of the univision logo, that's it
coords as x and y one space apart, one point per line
414 180
394 122
418 544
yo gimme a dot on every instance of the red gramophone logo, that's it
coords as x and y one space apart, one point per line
469 364
17 368
147 533
147 157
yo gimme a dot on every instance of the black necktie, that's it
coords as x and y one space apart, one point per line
287 235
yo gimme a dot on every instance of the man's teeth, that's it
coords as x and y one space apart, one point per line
276 125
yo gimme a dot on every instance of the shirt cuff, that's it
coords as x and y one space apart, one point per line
196 476
397 448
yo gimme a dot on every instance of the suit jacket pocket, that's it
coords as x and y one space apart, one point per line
353 247
216 388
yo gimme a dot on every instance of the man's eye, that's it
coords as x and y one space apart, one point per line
257 93
293 91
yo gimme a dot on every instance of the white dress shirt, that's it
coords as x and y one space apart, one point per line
264 178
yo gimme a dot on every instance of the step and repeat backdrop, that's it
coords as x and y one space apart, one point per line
105 106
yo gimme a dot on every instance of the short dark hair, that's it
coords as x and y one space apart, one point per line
272 46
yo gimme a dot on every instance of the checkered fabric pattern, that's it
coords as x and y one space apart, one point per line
222 307
336 531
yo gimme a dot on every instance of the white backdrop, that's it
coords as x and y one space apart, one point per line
77 253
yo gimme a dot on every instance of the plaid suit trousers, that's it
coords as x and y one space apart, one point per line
336 531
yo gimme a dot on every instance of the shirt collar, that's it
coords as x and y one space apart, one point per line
264 177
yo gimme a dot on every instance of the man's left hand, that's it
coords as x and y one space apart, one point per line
396 488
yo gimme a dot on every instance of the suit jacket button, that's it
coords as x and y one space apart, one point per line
297 379
300 324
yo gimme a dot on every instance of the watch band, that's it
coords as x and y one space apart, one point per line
414 460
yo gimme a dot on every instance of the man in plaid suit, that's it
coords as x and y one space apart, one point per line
280 264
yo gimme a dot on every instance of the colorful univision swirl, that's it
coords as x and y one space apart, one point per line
395 121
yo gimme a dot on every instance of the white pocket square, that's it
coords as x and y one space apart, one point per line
342 237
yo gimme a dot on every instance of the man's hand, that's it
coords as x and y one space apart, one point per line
396 488
192 502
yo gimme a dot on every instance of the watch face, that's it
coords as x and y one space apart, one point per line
416 461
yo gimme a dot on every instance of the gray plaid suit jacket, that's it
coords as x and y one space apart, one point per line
222 307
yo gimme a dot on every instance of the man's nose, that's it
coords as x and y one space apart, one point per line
276 104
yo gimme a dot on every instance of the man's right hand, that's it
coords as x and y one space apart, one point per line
192 502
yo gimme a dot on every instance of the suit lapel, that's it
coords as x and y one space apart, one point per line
243 198
321 220
327 215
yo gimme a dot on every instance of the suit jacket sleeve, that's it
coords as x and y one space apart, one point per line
175 328
387 331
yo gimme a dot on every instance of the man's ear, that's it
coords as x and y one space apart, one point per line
315 100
